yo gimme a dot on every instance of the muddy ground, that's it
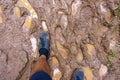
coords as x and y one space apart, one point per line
84 34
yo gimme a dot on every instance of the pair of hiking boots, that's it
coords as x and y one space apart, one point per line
44 44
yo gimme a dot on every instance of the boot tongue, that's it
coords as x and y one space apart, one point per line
42 42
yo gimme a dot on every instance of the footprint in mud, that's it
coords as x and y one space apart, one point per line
59 40
59 34
86 16
84 22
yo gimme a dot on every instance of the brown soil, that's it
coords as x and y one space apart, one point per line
87 26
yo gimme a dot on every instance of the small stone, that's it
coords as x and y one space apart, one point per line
17 11
28 27
105 12
79 57
103 9
0 10
55 62
75 5
28 22
62 51
112 45
1 21
21 3
68 69
34 46
64 21
60 12
53 1
26 4
90 49
44 26
88 73
64 5
56 74
101 30
103 70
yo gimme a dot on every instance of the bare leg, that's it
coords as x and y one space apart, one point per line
40 65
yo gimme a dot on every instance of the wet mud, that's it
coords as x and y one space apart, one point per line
84 34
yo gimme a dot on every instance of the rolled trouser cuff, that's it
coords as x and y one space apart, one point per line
41 75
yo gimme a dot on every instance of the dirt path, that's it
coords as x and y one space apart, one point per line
84 34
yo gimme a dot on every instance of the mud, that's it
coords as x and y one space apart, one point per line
86 28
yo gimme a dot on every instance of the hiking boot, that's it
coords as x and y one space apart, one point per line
44 44
78 75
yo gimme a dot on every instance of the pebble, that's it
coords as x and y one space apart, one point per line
88 73
68 69
103 70
90 49
56 74
55 62
44 26
64 5
105 12
62 51
75 5
34 46
26 4
1 20
27 26
64 21
60 12
17 11
79 57
101 30
112 45
103 9
0 9
53 1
